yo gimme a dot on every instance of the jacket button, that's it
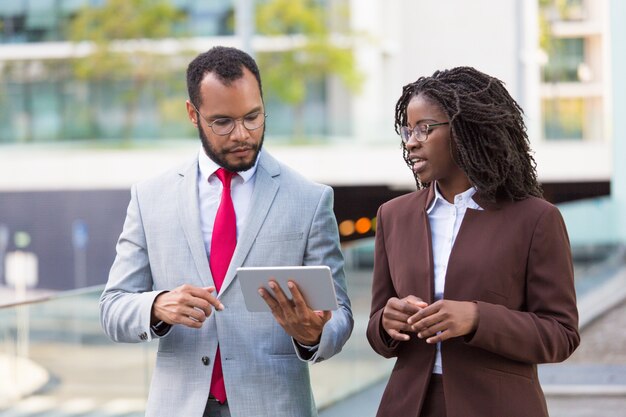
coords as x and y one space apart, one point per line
205 360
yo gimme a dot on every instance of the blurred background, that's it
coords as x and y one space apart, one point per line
92 99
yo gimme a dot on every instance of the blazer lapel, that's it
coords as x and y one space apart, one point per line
418 247
425 267
410 253
189 212
469 246
265 189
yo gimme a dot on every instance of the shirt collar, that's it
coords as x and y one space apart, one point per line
463 199
208 167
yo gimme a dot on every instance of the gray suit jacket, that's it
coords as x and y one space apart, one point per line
291 222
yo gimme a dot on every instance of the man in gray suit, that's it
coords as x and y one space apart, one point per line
215 358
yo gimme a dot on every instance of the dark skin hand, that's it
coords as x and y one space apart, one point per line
186 305
444 319
295 316
396 314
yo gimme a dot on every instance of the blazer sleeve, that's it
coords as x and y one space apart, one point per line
126 303
323 248
382 291
547 331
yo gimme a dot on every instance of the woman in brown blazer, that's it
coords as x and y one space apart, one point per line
473 281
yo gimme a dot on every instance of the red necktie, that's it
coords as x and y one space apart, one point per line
223 242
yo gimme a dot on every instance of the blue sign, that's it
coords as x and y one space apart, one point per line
80 234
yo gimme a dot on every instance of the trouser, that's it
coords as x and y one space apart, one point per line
435 402
215 409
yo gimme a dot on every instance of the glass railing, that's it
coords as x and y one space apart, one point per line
56 361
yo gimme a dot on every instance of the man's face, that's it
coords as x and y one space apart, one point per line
238 150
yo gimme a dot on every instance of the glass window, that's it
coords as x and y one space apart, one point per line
565 56
11 8
563 119
77 111
9 110
41 14
211 18
12 29
46 106
45 20
573 10
308 118
72 6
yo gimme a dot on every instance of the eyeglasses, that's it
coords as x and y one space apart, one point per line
225 125
420 131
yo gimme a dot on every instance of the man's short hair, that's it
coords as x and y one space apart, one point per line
225 62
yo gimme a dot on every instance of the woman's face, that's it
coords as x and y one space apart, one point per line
432 159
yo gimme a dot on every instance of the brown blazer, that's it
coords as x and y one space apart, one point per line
514 260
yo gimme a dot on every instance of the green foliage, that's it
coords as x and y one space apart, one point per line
125 19
549 11
120 20
282 17
544 25
313 53
119 32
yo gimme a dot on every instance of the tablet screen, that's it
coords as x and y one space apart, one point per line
315 284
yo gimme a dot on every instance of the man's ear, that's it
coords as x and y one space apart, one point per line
191 113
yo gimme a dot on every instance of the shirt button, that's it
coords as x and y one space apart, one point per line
206 361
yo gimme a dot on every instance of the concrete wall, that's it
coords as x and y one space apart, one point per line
407 39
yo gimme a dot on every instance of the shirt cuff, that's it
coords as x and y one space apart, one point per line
305 352
308 348
161 328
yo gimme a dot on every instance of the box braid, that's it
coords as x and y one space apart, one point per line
489 140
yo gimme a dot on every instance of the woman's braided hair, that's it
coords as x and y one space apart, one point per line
487 129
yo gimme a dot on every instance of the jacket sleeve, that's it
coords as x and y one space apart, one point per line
547 331
382 291
126 303
323 248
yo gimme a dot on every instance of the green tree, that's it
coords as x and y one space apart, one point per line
118 31
315 52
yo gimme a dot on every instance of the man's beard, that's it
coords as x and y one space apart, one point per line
220 158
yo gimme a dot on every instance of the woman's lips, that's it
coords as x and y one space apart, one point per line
418 164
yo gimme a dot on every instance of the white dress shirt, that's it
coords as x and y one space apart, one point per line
210 193
445 221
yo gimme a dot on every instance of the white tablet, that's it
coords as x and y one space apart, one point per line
315 284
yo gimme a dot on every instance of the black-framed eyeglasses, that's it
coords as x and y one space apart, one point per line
225 125
420 131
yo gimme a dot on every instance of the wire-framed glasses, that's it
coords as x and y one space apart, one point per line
420 131
225 125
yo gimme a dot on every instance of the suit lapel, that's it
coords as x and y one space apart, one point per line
409 248
265 189
423 266
189 212
425 239
469 245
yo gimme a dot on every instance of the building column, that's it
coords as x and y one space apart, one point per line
617 14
